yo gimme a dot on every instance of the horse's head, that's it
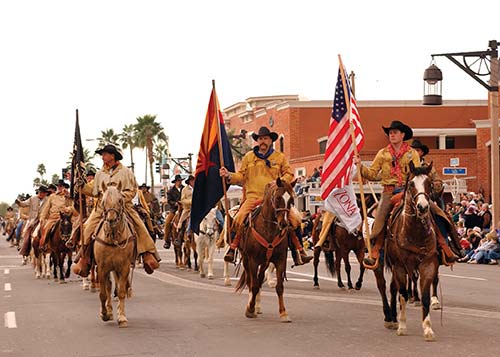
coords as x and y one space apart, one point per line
208 225
112 206
65 225
279 195
419 187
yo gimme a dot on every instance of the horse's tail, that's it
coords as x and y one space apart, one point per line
242 283
329 262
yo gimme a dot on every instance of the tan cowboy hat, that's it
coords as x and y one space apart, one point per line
396 124
264 131
111 149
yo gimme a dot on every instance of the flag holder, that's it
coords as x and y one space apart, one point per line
360 179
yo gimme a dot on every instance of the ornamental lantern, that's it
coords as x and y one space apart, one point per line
433 78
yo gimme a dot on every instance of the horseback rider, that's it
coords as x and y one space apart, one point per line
173 197
391 167
113 173
141 205
56 203
259 167
35 204
186 201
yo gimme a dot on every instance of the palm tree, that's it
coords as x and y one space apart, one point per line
128 140
108 136
41 170
38 181
147 130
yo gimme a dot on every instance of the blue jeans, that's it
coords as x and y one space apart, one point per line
479 256
491 255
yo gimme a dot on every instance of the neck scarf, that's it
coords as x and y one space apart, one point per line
263 156
396 157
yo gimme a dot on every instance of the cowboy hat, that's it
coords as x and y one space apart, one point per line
396 124
417 144
191 177
90 173
177 178
43 189
145 186
264 131
62 183
109 148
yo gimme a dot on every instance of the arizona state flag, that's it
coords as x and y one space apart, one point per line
208 188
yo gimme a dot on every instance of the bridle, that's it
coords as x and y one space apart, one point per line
65 234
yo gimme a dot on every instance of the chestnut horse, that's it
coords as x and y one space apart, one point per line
114 251
265 241
410 246
340 241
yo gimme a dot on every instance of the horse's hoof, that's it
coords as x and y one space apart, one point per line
285 318
391 325
106 317
250 315
435 304
123 323
401 332
86 287
417 303
316 287
210 277
62 281
429 336
202 275
129 293
258 310
358 286
227 282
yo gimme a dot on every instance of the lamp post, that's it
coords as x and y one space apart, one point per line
477 65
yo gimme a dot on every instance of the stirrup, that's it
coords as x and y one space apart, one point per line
229 257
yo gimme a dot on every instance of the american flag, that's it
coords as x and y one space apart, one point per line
339 149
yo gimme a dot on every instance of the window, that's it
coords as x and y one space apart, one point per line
450 142
282 144
322 146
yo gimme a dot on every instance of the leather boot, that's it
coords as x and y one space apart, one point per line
150 263
371 262
82 266
448 256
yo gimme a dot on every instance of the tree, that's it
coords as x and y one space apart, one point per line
3 208
38 181
87 157
147 130
128 140
108 136
41 170
239 145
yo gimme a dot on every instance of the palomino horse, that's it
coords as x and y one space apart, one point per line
114 250
265 241
205 243
340 241
57 246
410 246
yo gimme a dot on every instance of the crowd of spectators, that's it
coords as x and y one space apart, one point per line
478 239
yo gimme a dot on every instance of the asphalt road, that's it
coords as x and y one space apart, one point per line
177 313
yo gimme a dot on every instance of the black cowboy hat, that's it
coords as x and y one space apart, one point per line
90 173
264 131
191 177
109 148
62 183
43 189
396 124
177 178
145 186
417 144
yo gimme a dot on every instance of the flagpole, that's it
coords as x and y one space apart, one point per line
360 179
80 203
221 157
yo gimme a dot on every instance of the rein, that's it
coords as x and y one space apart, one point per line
113 224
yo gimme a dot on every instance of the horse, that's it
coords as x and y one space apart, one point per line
176 237
57 246
114 251
410 245
265 241
340 242
205 243
40 259
413 291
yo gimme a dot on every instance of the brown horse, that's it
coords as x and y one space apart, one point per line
340 242
265 241
410 246
114 251
57 246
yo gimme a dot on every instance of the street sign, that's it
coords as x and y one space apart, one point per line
454 161
454 171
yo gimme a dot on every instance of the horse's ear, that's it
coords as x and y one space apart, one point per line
293 183
429 168
412 166
278 182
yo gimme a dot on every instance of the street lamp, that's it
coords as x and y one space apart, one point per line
476 64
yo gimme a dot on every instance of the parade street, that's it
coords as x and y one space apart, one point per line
176 313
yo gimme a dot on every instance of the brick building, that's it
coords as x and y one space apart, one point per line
457 129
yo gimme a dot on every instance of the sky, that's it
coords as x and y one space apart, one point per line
115 60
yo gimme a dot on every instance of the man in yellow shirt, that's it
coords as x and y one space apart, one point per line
259 167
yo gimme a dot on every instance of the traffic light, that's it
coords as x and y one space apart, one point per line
157 165
162 192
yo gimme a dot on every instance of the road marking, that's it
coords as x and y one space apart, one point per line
6 271
186 283
10 319
463 277
311 276
7 287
